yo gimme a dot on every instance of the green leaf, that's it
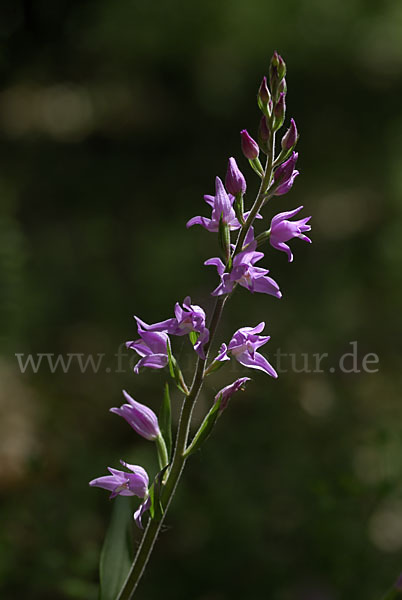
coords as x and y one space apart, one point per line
165 420
257 167
224 238
116 555
175 371
205 428
156 509
170 360
193 335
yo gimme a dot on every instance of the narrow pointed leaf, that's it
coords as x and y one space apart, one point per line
175 371
156 509
205 429
116 555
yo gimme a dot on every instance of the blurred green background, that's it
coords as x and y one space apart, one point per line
115 118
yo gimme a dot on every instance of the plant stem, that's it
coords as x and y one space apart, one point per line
152 530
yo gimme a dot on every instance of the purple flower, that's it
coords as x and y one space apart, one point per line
244 272
143 507
141 418
243 346
234 181
290 138
249 146
189 318
222 207
152 347
283 230
285 175
123 483
227 392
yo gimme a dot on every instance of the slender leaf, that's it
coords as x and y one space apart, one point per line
205 428
156 508
175 371
116 555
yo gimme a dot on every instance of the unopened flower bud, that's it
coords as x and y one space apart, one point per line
285 170
225 394
277 72
235 182
264 134
249 146
289 140
282 87
141 418
278 64
264 96
285 175
279 112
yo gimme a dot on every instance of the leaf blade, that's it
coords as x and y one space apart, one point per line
116 554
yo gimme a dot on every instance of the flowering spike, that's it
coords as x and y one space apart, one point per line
235 182
249 146
141 418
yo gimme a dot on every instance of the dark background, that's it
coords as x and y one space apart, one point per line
115 118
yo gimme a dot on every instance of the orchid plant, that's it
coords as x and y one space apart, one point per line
238 242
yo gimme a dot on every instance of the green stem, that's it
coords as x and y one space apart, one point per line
179 460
